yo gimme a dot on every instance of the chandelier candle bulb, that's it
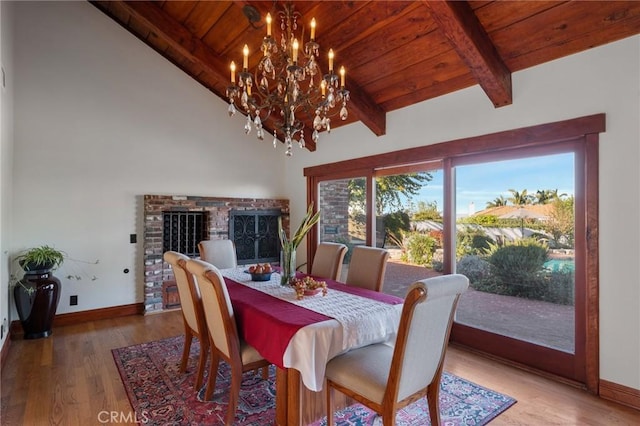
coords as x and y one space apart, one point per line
330 60
268 25
313 29
295 50
342 74
233 72
245 53
323 88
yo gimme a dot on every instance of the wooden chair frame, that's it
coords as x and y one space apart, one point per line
390 405
233 342
201 330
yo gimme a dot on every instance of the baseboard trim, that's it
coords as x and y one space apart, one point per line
4 352
610 391
85 316
619 393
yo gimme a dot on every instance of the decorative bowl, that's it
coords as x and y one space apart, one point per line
265 276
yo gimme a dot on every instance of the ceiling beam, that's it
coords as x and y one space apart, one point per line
367 111
470 40
177 36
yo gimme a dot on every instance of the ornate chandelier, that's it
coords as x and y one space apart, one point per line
285 84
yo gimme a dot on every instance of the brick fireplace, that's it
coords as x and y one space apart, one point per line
159 294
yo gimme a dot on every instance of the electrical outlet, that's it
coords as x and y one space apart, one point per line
73 300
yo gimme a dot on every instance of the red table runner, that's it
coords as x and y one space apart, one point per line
268 323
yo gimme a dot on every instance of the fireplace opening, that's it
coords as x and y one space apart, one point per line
255 234
182 231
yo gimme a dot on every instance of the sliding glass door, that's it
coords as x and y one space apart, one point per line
516 212
515 242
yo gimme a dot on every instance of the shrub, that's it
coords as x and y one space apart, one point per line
438 236
491 284
395 223
472 242
474 267
420 248
518 264
560 287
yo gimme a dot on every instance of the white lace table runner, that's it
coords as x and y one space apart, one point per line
363 320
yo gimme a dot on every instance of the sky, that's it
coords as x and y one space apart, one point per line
485 182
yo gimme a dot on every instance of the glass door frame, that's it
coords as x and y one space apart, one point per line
584 133
564 364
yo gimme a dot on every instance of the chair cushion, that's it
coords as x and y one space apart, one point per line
248 353
363 370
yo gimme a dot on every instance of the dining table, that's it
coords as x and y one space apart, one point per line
300 335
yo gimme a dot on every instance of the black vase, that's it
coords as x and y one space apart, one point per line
37 308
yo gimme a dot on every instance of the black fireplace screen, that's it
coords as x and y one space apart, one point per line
183 231
255 234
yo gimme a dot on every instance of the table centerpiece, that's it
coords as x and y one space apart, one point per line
289 246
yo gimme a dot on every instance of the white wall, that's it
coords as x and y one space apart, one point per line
6 156
604 79
101 119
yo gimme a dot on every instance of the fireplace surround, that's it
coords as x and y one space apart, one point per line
159 285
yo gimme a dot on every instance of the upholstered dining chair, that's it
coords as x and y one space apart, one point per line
386 378
223 333
327 262
367 267
192 313
220 253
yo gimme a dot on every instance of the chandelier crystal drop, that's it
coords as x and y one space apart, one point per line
286 84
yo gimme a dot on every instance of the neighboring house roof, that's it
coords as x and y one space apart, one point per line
542 210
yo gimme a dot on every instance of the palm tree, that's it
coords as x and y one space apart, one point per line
544 196
497 202
547 196
520 198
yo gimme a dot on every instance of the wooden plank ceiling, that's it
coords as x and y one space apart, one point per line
396 53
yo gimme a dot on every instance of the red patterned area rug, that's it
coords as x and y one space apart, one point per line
161 395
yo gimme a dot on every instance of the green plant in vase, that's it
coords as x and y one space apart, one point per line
37 292
41 258
289 246
35 260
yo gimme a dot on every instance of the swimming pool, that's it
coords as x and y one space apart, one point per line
560 265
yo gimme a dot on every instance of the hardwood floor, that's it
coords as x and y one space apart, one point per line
70 378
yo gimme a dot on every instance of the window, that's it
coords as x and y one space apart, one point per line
572 141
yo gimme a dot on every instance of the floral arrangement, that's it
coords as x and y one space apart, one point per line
308 286
308 222
289 246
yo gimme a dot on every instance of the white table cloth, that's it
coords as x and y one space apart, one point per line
357 321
